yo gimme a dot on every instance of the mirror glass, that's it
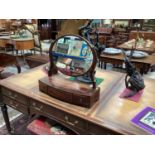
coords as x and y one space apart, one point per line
72 55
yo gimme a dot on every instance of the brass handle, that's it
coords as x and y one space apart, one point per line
15 96
10 93
34 104
39 108
12 96
13 104
71 123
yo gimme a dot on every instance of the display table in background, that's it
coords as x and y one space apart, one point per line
142 64
145 34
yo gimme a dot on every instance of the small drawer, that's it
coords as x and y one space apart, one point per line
98 130
16 105
15 96
57 114
61 95
74 121
37 105
80 100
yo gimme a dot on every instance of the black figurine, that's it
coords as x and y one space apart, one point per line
86 31
133 79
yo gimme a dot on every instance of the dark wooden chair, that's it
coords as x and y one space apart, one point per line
5 61
110 41
41 46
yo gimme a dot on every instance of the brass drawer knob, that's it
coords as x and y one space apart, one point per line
10 93
34 104
13 95
13 104
81 100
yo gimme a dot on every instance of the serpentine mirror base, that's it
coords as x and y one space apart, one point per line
72 92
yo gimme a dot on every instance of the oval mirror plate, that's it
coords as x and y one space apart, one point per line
72 55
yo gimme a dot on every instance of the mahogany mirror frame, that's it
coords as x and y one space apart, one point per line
53 69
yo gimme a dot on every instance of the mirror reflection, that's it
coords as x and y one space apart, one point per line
72 55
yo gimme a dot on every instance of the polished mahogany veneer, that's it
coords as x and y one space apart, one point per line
69 91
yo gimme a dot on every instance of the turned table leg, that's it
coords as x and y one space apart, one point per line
6 117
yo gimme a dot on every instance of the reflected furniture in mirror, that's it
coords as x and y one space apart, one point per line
72 57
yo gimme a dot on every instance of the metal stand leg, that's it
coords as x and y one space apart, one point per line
105 65
5 116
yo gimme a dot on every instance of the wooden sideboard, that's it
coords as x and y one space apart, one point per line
144 34
19 44
110 115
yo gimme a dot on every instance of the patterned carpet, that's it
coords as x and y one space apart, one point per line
18 126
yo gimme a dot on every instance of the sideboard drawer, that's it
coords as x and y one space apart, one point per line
57 114
14 95
16 105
